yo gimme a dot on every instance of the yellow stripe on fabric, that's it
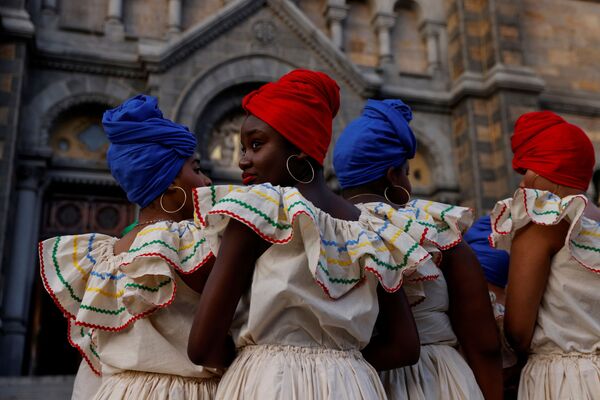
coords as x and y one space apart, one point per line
150 230
267 197
289 196
105 293
336 261
84 274
187 246
426 208
590 233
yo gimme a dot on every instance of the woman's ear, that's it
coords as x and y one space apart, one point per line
302 156
392 176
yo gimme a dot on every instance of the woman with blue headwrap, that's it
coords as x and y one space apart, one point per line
130 301
451 306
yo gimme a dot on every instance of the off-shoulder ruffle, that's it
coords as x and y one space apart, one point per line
346 250
96 289
545 208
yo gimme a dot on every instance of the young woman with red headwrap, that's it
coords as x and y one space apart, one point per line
371 162
129 301
553 233
301 277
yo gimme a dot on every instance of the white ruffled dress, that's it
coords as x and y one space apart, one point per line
564 361
312 303
130 314
441 373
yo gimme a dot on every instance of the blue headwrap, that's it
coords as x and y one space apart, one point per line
494 262
147 151
377 140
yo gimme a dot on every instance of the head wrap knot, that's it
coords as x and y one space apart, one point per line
147 151
553 148
377 140
300 106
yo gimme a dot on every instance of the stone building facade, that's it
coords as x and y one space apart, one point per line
468 68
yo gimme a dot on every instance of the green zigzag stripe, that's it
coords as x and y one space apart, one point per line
346 281
186 259
305 205
546 212
148 288
583 246
437 228
146 244
257 211
399 266
443 214
213 195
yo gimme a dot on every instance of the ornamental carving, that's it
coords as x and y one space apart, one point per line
224 142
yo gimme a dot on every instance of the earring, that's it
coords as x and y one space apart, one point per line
287 165
385 194
180 207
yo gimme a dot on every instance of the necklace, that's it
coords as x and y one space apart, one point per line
153 221
362 194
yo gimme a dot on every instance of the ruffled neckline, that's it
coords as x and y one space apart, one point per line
387 248
546 208
96 289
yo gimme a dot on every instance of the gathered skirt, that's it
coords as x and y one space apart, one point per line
564 376
299 373
441 373
134 385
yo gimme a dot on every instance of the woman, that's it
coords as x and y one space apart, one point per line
495 268
552 231
371 162
308 269
130 301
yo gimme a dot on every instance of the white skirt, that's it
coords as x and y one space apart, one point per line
566 376
268 372
133 385
441 373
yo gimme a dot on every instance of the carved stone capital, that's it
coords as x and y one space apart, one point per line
384 21
336 12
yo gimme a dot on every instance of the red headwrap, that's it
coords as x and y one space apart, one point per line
300 106
551 147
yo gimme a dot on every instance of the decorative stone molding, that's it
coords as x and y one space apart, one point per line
113 27
16 22
336 12
383 23
174 17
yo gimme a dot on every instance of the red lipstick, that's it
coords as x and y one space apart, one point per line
247 179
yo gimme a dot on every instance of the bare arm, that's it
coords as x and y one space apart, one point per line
397 342
531 254
472 318
209 343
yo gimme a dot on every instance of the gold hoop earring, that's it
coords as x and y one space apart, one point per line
385 194
180 207
312 170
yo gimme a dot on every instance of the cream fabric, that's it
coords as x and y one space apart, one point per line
312 304
564 361
130 312
441 372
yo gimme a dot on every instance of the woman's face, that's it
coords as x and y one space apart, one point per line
189 177
532 180
264 154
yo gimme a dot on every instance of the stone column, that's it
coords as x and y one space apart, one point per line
113 27
174 17
431 34
335 13
19 280
383 23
